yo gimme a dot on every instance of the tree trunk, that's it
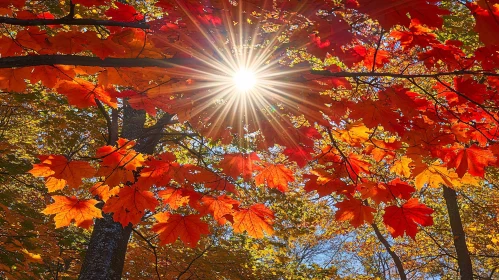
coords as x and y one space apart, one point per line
388 247
105 256
463 255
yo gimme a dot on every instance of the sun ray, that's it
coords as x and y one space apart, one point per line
239 84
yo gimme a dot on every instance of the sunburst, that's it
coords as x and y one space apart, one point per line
239 82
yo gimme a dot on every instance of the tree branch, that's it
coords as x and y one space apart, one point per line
71 21
388 247
108 120
397 75
79 60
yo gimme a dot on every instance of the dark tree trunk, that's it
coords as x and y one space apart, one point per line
106 251
463 255
105 256
388 247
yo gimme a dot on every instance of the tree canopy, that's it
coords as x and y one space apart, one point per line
240 139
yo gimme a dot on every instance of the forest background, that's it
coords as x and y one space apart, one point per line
365 146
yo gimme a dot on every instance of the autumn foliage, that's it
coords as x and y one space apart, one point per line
369 103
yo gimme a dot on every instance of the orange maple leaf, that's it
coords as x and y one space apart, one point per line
68 209
254 220
220 207
103 191
177 197
276 175
13 79
130 204
325 184
118 163
405 219
61 172
355 211
188 228
157 171
82 93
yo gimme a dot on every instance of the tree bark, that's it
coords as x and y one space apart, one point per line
463 255
388 247
105 256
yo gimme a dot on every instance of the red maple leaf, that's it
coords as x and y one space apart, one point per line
299 154
171 227
472 160
243 165
406 218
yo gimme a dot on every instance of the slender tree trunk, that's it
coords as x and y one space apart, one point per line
106 252
463 255
388 247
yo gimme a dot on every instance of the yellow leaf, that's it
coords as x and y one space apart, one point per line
401 167
31 257
434 175
354 134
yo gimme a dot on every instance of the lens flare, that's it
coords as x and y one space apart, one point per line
244 80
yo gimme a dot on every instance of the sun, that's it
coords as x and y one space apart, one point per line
244 80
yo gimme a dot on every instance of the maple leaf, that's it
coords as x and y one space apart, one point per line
326 185
486 21
124 12
69 42
220 207
434 175
178 197
9 47
90 3
130 204
377 192
299 154
14 79
68 209
243 165
355 211
401 167
418 35
61 172
103 191
382 149
355 165
406 218
171 227
49 76
157 171
118 163
82 93
105 48
391 13
472 160
276 176
254 220
400 189
354 134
